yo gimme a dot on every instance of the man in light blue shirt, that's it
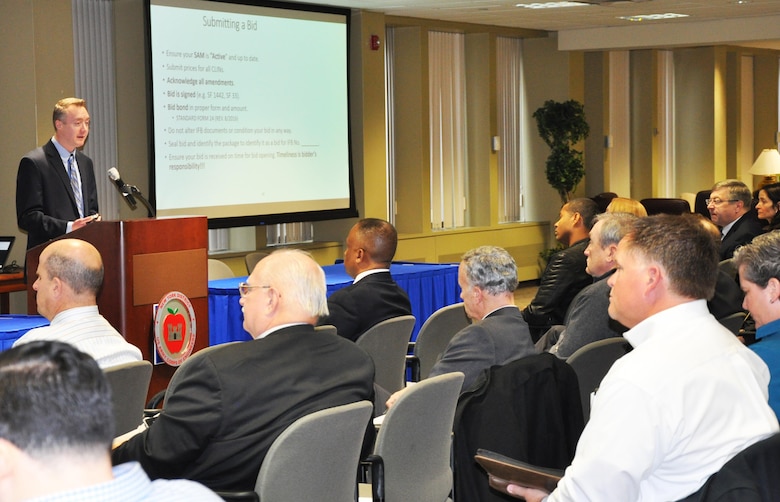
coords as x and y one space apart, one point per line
56 428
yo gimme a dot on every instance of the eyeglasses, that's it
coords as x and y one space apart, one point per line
718 202
244 287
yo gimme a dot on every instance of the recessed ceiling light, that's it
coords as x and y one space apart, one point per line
550 5
652 17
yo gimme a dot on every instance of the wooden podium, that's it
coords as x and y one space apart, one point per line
144 260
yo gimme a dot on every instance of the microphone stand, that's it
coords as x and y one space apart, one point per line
137 193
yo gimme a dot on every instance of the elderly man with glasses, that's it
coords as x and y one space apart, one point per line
730 205
226 406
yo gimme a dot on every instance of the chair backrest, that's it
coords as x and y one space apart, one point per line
733 322
436 333
729 267
387 342
129 386
219 270
251 259
700 205
666 206
592 362
316 457
414 440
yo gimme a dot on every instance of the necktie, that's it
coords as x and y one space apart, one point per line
75 184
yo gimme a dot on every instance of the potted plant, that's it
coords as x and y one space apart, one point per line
561 125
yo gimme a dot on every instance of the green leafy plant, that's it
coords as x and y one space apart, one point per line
561 125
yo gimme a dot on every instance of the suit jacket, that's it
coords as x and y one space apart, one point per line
44 198
499 338
743 231
373 299
226 406
529 410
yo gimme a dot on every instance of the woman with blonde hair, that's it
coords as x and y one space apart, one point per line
623 205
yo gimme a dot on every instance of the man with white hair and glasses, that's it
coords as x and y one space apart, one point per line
225 407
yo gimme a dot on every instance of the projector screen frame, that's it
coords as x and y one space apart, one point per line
350 211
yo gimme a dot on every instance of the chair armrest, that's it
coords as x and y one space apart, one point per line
413 363
238 496
377 465
156 400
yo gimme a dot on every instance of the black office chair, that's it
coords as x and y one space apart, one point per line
592 362
660 205
751 476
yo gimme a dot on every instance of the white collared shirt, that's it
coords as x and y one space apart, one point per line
369 272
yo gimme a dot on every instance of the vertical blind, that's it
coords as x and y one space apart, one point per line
447 112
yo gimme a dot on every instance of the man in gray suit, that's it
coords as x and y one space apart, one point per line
487 277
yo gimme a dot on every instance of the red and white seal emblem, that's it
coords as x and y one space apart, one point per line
174 328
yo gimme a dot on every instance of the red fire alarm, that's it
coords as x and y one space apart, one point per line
374 42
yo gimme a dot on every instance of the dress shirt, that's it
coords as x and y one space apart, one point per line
88 331
369 272
671 412
727 227
64 155
767 346
131 484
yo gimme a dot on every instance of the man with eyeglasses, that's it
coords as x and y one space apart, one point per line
225 406
730 205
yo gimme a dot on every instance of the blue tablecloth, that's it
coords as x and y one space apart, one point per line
429 286
14 326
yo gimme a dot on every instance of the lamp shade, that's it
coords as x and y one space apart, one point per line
767 163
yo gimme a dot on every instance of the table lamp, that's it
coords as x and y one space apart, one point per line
767 165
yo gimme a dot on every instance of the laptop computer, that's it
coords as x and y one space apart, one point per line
6 243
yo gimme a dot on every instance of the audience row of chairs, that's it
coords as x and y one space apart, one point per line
220 270
411 458
317 457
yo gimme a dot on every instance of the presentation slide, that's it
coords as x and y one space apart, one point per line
250 110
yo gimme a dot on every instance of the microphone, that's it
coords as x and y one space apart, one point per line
123 187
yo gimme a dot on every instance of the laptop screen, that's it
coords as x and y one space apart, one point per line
6 243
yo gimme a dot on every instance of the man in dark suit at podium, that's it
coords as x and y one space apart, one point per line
374 296
225 407
56 190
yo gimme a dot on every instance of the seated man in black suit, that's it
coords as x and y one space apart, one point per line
374 296
565 274
730 205
225 407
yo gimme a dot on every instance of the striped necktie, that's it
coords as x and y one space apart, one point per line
75 184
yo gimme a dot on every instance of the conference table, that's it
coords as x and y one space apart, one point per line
430 286
14 326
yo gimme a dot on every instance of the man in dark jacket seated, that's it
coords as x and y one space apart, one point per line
565 274
226 406
374 296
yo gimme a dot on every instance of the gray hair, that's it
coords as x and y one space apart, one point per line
761 259
74 273
299 277
737 191
491 269
614 226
